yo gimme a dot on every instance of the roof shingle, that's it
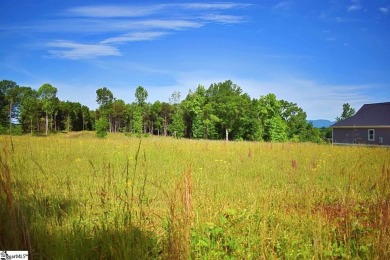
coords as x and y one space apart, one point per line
377 114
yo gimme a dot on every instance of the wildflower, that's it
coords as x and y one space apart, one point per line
294 164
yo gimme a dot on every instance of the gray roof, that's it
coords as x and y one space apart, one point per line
377 114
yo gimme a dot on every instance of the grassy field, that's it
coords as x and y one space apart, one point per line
74 196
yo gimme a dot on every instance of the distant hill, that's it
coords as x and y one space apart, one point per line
319 123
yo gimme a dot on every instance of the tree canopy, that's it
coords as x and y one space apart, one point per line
348 111
221 111
141 95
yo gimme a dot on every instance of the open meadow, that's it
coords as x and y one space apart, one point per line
76 196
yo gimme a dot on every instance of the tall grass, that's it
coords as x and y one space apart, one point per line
13 227
179 219
77 196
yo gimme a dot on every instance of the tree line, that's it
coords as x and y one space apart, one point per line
221 111
26 110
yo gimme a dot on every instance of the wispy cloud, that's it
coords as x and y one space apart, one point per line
211 6
166 24
384 10
130 23
354 6
282 5
134 37
223 18
110 11
98 26
331 39
139 11
72 50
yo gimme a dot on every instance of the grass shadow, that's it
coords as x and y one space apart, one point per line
55 228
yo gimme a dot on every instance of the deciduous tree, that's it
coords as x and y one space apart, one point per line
101 127
118 114
141 95
194 111
47 94
10 92
166 112
30 106
137 120
155 117
104 98
348 111
295 118
225 100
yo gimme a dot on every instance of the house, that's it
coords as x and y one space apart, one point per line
370 125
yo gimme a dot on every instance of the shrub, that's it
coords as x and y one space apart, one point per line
17 130
101 127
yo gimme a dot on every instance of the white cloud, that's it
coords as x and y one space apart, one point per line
134 37
282 5
223 18
207 6
130 23
384 10
110 11
166 24
354 6
100 26
72 50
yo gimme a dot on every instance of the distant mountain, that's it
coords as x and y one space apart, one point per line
319 123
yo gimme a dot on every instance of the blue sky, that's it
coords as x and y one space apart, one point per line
318 54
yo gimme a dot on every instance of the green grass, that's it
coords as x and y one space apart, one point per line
75 195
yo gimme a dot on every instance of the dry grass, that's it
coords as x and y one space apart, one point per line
83 197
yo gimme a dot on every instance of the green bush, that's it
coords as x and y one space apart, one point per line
3 130
101 127
15 130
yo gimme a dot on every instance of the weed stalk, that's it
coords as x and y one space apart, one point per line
180 218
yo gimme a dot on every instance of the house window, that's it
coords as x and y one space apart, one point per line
371 134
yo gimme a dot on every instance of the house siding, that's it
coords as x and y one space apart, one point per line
360 136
